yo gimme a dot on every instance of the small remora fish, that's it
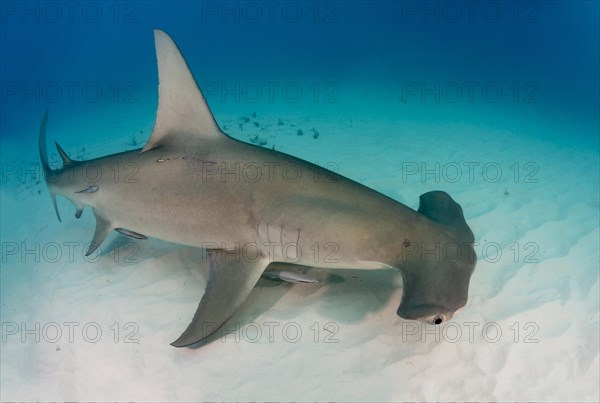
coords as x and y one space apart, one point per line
288 276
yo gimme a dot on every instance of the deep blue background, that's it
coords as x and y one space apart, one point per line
553 44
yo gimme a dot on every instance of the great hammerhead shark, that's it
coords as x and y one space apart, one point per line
249 206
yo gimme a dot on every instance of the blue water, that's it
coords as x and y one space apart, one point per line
389 85
425 60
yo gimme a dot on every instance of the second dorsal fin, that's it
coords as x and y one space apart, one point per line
63 155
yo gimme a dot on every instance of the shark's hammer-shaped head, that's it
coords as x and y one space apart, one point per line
436 272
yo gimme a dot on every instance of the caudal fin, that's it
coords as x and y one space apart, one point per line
48 172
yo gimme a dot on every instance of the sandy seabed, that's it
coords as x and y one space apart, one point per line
529 331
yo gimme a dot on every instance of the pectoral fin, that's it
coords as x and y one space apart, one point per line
230 281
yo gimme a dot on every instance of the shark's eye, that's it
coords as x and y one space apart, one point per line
437 320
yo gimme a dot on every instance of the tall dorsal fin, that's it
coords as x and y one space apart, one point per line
183 117
440 207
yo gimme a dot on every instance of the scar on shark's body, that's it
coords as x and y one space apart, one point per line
330 223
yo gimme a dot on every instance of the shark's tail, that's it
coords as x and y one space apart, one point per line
49 173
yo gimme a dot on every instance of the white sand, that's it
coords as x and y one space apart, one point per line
541 293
